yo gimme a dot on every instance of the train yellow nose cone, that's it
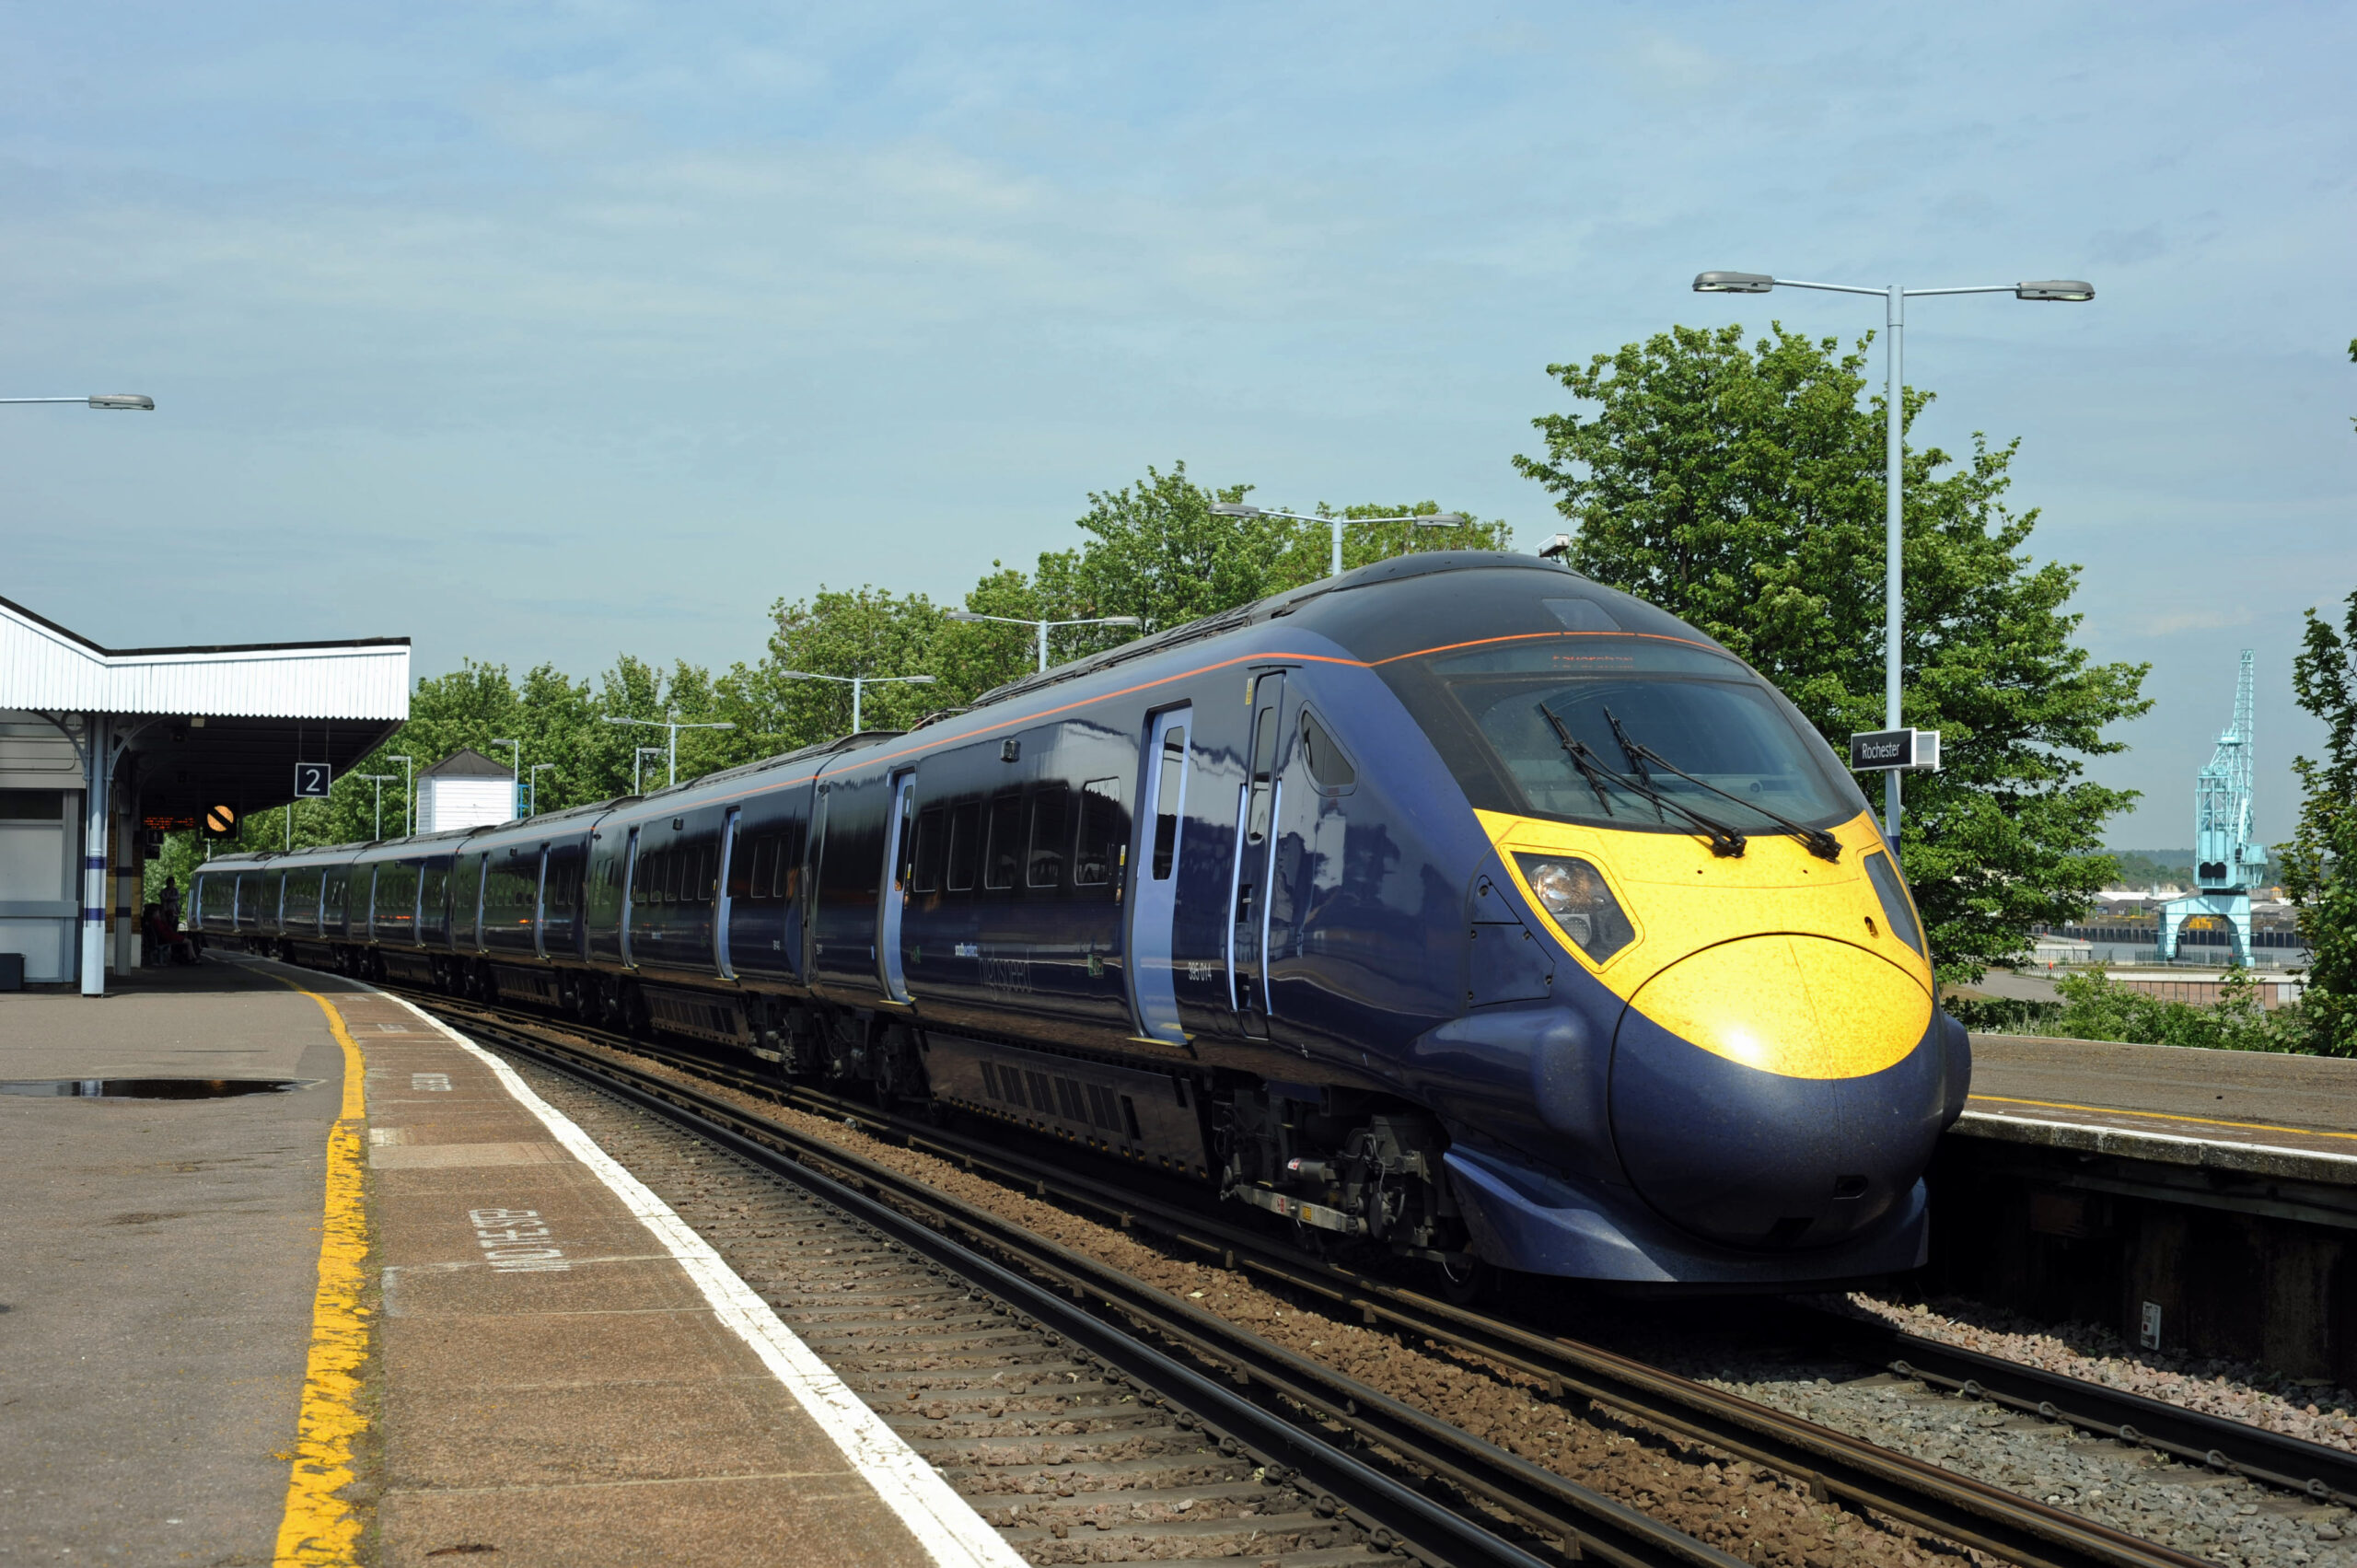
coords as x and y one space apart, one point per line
1796 1006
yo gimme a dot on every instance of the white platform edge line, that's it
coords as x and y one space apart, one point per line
2107 1129
944 1523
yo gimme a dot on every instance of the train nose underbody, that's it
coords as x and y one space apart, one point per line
1777 1092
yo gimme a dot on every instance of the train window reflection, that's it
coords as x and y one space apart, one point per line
925 876
1102 833
1006 841
964 848
1049 810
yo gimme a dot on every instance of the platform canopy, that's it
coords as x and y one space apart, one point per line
97 743
210 726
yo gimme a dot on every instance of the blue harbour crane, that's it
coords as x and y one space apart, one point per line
2227 863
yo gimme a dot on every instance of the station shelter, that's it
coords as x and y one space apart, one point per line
104 750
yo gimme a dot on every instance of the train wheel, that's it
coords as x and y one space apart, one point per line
1464 1282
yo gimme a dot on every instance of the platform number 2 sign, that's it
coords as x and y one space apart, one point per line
312 781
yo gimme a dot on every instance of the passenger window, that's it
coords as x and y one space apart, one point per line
964 830
1006 841
789 861
1049 810
1264 759
1102 833
1168 801
764 869
925 876
1327 766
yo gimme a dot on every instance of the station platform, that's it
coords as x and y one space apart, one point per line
2199 1202
2249 1112
557 1369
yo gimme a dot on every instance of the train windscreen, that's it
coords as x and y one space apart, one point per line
1605 729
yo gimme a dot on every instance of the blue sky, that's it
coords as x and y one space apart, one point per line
554 332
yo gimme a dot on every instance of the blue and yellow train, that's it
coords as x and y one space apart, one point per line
1455 906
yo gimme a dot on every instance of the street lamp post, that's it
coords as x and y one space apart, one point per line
381 781
533 784
674 725
2063 289
1334 568
1044 625
516 775
408 765
139 401
857 683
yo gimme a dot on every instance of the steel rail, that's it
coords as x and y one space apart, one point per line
1252 1410
2237 1447
1833 1464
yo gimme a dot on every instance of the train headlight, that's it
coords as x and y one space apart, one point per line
1574 894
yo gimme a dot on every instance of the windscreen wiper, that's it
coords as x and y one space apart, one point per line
1725 842
1822 844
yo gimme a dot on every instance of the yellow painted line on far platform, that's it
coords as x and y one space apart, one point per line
2163 1116
319 1526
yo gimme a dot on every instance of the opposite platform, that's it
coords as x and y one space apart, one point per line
2248 1112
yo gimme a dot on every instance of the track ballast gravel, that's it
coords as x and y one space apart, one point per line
1745 1509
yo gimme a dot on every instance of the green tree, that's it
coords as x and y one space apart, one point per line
2320 863
1741 488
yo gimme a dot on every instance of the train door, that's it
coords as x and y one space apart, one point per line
721 898
1154 897
630 894
894 896
1256 817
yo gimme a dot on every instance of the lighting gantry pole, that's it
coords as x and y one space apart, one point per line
857 683
534 786
1044 625
2068 290
674 725
516 776
1334 568
381 781
408 765
98 771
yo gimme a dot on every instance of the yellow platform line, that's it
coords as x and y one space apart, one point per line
318 1526
2164 1116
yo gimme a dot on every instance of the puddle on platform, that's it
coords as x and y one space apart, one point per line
150 1088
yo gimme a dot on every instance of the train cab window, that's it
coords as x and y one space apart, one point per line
1050 807
1006 854
1102 833
1327 766
1168 800
965 845
924 865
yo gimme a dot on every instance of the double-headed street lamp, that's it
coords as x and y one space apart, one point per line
674 725
1044 625
1434 520
2068 290
857 683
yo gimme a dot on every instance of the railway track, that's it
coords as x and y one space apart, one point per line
1564 1519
